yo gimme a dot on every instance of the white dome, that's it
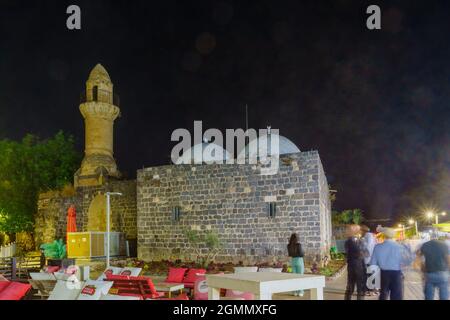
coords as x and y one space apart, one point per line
204 153
285 146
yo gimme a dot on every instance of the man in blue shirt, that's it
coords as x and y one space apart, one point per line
390 257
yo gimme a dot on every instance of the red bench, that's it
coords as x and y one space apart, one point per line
183 276
11 290
142 287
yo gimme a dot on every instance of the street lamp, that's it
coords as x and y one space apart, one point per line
414 222
403 230
108 213
430 215
443 213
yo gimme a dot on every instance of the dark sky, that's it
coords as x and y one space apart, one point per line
375 104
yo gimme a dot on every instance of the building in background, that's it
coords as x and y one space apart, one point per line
252 213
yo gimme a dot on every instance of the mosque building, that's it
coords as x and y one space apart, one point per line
253 214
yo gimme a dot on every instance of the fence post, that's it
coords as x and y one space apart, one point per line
13 268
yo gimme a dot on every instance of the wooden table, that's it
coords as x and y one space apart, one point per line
264 284
169 287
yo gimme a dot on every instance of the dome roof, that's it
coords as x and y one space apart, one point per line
206 152
99 73
285 146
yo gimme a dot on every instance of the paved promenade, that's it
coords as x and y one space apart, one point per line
335 289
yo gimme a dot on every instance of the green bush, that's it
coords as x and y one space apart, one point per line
54 250
206 245
327 272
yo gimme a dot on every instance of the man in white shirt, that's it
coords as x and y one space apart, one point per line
369 241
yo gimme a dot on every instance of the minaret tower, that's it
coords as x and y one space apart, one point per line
99 109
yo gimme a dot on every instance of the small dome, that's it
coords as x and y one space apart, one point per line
99 73
204 153
285 146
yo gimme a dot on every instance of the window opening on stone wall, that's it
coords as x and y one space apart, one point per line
95 93
176 213
272 209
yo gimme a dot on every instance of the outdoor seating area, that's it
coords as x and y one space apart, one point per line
13 290
74 282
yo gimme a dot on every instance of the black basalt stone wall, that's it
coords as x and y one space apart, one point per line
233 200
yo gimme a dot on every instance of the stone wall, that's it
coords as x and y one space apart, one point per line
326 229
232 200
51 218
126 206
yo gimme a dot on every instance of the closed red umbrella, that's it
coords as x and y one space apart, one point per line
71 219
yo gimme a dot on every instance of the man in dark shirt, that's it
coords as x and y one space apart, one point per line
436 268
355 265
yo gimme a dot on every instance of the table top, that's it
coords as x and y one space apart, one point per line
265 276
165 286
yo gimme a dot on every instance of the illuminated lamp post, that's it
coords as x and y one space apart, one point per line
430 215
403 231
414 222
443 213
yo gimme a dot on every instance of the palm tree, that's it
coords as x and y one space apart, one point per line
357 216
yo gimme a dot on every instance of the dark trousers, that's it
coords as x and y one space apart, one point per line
364 280
355 276
391 285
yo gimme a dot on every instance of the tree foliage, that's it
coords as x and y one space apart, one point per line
349 216
28 167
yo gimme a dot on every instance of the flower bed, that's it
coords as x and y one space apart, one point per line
333 269
161 267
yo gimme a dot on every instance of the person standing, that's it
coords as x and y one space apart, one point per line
355 263
390 257
368 242
296 252
436 268
447 242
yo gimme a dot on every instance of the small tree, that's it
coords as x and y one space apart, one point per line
348 216
206 245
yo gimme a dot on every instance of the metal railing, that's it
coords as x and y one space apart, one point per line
100 95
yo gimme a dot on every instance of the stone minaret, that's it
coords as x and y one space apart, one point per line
99 112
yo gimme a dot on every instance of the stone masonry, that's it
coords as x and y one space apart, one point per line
233 201
51 219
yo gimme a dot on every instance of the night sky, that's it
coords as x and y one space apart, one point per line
375 104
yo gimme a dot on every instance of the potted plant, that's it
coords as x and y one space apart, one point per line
55 252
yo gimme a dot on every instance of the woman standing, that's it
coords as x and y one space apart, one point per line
296 252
